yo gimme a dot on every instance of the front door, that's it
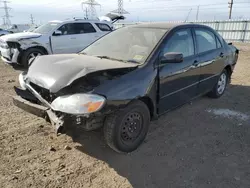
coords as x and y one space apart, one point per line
178 81
67 41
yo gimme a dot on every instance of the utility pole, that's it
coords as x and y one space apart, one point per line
120 11
86 13
7 15
4 21
91 5
230 8
32 19
120 7
188 15
197 14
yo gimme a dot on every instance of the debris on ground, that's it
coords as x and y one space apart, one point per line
11 81
67 147
51 148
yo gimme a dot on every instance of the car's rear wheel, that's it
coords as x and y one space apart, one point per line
29 56
220 86
126 129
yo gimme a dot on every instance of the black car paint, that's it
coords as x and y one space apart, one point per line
166 87
163 87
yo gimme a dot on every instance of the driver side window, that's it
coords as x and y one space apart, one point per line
67 29
181 41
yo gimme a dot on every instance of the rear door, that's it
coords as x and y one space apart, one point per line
211 56
178 81
86 34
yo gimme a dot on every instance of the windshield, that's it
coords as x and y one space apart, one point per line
132 44
46 28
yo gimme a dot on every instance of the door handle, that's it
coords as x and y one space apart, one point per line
73 38
221 54
196 63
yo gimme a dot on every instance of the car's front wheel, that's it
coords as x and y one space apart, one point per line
220 86
126 129
29 55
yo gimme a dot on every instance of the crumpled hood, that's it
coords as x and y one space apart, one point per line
55 72
18 36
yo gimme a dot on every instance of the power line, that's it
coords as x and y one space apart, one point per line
7 16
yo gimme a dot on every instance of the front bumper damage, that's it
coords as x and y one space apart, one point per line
31 101
40 111
9 55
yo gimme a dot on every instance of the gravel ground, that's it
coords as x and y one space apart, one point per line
203 144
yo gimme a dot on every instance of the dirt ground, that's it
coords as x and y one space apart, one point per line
203 144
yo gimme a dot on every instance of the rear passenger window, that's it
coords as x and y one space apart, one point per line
205 40
103 27
81 28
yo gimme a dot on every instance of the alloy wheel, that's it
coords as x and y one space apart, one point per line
32 56
222 83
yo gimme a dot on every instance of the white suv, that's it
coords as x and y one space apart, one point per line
55 37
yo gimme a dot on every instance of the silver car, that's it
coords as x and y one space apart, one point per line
3 32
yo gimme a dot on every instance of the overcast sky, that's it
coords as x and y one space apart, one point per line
140 10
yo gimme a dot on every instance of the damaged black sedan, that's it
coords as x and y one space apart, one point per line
127 78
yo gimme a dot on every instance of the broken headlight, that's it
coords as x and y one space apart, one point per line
21 80
78 103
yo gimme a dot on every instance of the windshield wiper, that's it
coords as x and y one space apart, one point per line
128 61
111 58
133 61
103 57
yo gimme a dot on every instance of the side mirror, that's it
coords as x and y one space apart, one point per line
230 43
57 33
171 57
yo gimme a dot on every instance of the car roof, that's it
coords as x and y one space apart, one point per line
165 25
79 21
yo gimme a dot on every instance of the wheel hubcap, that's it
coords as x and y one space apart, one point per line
32 56
131 127
222 83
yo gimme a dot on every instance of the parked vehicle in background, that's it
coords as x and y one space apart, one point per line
127 78
31 29
3 32
55 37
17 28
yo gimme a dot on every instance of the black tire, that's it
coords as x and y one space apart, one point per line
115 126
215 93
26 56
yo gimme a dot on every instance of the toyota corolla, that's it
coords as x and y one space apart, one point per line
127 78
